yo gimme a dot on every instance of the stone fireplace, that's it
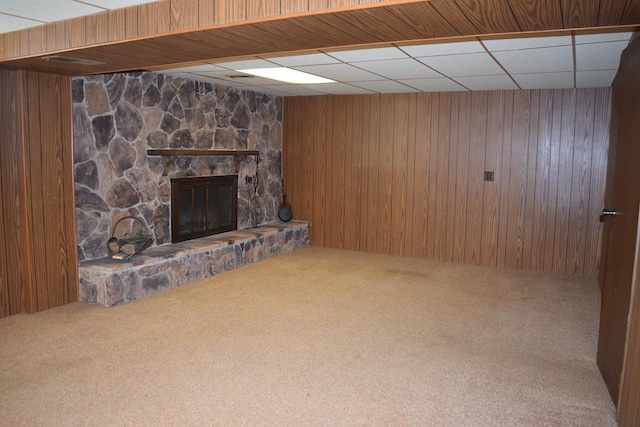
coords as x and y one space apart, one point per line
118 118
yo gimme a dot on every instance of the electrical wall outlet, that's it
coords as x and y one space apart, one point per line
488 176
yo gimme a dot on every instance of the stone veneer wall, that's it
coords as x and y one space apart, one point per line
118 117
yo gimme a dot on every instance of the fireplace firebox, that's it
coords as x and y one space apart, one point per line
203 206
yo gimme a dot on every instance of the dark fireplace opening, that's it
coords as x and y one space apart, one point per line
203 206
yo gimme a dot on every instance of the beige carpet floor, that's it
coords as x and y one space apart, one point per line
317 337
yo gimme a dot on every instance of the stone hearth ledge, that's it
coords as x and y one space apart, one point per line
111 282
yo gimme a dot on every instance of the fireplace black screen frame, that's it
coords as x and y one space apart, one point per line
184 194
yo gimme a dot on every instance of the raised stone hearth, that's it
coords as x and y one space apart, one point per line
110 282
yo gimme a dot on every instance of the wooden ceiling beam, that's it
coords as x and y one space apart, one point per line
369 24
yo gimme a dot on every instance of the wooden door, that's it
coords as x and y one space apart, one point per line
619 242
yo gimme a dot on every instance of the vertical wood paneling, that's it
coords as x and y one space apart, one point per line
441 188
36 169
504 211
451 178
400 142
320 179
317 4
131 22
565 171
12 173
385 171
432 175
97 28
337 175
492 162
231 10
598 178
117 24
257 9
552 190
530 171
516 207
184 14
373 164
421 201
462 175
207 13
75 32
579 204
294 6
412 178
475 196
37 39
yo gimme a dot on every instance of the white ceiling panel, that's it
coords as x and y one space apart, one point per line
200 68
48 10
441 84
297 90
339 72
546 60
487 82
603 37
246 64
339 89
602 78
395 69
599 56
443 49
300 60
473 64
13 23
375 54
385 86
527 43
562 80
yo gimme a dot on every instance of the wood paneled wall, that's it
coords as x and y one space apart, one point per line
403 174
38 253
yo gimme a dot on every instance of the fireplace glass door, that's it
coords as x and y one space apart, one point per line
203 206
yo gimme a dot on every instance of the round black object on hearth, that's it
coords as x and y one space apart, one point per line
284 210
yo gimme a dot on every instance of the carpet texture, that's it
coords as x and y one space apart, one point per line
317 337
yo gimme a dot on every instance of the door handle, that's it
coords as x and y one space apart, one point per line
609 212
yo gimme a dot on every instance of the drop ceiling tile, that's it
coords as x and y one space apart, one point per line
603 37
339 72
48 10
487 82
602 78
197 68
396 69
374 54
441 84
437 49
526 43
299 60
545 60
599 56
386 86
116 4
295 90
563 80
245 65
338 89
13 23
472 64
